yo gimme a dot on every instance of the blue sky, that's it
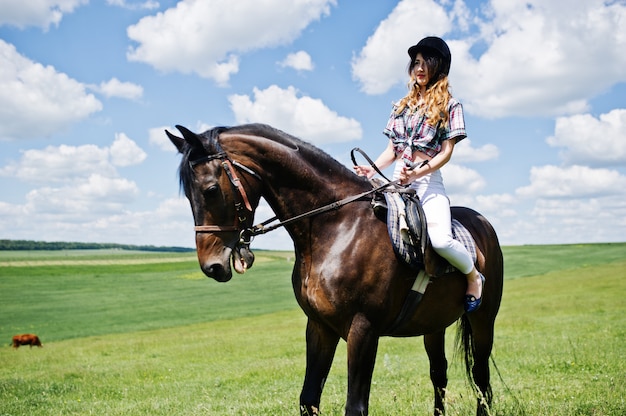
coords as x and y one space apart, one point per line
87 88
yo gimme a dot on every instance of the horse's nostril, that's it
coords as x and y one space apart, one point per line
211 269
216 271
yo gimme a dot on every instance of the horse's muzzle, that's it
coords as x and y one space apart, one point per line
217 271
220 269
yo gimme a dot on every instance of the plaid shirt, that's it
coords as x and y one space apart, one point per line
409 131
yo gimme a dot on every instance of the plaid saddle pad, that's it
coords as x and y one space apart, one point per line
405 235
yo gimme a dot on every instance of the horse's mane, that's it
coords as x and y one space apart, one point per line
304 149
310 153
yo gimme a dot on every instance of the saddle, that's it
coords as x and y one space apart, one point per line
402 210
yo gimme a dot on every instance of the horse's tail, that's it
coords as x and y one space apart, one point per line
465 345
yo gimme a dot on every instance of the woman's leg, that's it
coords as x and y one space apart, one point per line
437 210
439 220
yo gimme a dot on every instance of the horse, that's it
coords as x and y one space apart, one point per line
26 339
346 276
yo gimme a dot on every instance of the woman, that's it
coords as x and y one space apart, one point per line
423 128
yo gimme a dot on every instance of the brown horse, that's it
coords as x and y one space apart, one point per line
26 339
346 277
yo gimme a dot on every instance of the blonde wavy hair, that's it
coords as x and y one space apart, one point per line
438 95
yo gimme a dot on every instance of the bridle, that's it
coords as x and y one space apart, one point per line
242 204
243 207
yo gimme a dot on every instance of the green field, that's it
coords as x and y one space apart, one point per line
137 333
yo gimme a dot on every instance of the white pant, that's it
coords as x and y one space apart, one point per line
436 207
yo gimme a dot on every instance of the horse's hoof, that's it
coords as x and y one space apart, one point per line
471 303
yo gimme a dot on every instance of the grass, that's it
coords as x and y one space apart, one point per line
568 331
533 260
60 297
187 345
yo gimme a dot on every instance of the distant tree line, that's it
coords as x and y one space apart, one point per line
61 245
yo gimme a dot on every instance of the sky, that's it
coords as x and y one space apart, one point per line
87 88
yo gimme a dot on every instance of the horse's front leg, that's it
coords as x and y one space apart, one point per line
362 348
435 348
321 344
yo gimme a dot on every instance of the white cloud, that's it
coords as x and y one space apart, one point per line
42 13
71 164
158 138
592 141
76 203
201 127
116 88
502 205
462 180
461 15
465 153
553 182
303 116
89 197
36 100
79 193
62 214
539 57
578 220
125 152
300 61
555 221
562 54
142 5
59 164
107 190
207 37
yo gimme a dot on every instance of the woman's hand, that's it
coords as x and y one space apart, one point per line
386 158
364 170
408 175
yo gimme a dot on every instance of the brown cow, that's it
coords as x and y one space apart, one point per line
26 339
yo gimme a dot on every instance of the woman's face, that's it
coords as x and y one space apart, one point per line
420 71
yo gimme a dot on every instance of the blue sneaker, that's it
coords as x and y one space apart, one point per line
471 302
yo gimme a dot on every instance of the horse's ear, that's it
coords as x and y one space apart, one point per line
190 137
179 142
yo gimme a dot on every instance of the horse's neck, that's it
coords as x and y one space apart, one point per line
298 180
296 186
296 177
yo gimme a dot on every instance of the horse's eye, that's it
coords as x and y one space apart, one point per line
211 190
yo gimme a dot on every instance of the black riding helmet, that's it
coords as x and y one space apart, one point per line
433 46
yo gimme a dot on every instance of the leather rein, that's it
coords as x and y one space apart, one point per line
243 207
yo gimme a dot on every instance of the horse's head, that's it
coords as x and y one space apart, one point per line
222 206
